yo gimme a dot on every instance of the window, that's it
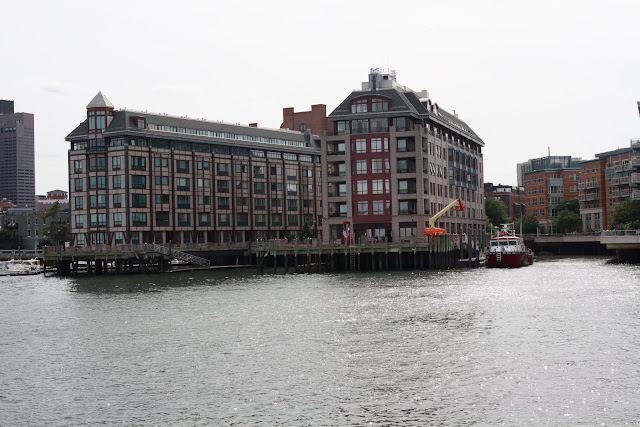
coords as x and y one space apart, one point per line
117 219
379 145
79 221
78 202
77 184
80 238
242 201
77 166
276 186
292 220
292 189
204 182
276 203
276 219
292 204
378 207
359 106
138 163
139 200
376 166
182 184
139 218
223 219
242 219
115 163
363 207
258 187
258 171
117 181
118 237
223 186
204 200
361 166
361 187
223 203
292 174
203 165
135 237
117 200
361 146
138 181
162 219
204 219
162 180
182 166
241 168
260 220
379 105
242 185
377 186
222 169
161 162
184 220
360 126
162 199
184 202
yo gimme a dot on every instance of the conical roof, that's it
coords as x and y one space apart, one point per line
100 101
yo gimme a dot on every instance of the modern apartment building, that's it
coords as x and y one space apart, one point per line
606 181
512 197
138 177
545 189
17 161
545 163
392 159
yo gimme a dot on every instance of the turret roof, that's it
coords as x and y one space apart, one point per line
100 101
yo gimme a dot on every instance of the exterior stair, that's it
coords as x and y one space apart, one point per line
172 253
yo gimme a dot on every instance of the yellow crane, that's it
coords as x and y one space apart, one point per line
435 231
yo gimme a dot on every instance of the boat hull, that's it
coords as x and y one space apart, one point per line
506 260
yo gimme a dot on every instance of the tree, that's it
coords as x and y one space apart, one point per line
306 232
496 212
56 232
572 205
529 224
568 220
627 213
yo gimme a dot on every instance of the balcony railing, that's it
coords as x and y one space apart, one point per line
336 214
635 194
635 178
337 173
625 193
635 161
407 211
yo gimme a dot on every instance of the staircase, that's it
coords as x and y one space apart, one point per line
352 257
172 253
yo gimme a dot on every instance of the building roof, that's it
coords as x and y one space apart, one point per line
100 101
402 103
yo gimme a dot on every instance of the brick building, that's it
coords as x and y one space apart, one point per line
512 197
545 189
392 159
137 177
311 122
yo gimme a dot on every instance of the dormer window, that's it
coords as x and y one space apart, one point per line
139 122
359 106
379 105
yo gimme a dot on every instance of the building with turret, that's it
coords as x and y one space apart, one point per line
139 177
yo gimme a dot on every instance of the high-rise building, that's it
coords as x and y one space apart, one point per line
544 190
392 159
138 177
17 162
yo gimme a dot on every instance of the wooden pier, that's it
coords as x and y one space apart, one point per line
435 252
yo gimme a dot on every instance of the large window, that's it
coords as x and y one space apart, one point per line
139 200
184 220
361 166
139 163
139 218
359 106
378 145
378 207
362 187
138 181
117 219
376 165
182 166
361 146
363 207
379 105
182 184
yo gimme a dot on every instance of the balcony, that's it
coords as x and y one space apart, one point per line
635 178
615 181
337 173
635 161
336 214
636 195
625 193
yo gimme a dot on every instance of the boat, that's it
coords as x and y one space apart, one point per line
19 267
507 249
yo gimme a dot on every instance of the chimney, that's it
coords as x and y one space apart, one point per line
253 125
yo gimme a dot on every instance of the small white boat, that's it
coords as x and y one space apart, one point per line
19 267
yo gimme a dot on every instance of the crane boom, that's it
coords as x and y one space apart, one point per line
459 207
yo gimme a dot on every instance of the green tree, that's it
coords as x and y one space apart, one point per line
572 205
56 231
529 224
568 221
627 213
306 232
496 212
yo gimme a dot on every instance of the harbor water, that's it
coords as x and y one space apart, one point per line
556 343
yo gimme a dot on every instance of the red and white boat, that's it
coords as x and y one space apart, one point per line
506 249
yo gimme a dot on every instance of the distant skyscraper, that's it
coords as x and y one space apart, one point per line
17 164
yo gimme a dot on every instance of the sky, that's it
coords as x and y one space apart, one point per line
530 77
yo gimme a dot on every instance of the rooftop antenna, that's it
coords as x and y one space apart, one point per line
549 151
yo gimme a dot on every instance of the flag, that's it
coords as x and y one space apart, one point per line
344 230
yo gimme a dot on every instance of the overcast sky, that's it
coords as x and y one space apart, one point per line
526 76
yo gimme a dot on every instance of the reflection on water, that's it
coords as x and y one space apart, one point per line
554 343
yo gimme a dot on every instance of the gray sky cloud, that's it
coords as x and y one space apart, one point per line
526 75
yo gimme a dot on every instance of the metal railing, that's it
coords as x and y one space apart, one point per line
173 253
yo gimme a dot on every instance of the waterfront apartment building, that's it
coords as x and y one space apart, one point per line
137 177
17 159
545 163
392 159
605 182
545 189
512 197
